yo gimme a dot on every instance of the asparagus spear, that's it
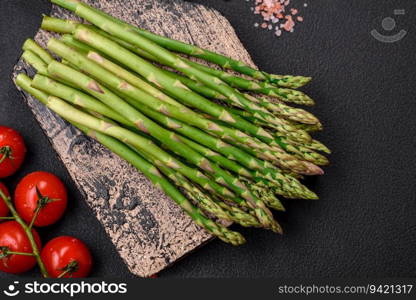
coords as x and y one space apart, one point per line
149 170
68 39
308 127
238 215
123 151
85 34
35 61
265 170
137 82
139 142
284 94
64 26
166 137
296 113
225 62
304 152
31 45
214 208
166 82
285 111
117 70
317 145
265 194
126 75
283 158
146 125
77 97
217 208
123 87
83 100
159 78
193 192
190 117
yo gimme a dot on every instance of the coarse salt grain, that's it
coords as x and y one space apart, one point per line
276 14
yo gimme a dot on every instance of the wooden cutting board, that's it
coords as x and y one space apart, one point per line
149 231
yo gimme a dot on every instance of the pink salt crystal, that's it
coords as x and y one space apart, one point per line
289 23
293 11
300 19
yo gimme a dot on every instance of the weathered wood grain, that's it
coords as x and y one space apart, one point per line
149 231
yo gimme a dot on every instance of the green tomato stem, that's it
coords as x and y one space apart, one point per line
29 234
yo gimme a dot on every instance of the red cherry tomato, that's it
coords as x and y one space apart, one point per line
15 239
45 188
66 254
12 151
4 210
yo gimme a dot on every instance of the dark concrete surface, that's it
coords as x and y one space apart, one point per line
364 225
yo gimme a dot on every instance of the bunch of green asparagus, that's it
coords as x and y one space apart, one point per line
222 146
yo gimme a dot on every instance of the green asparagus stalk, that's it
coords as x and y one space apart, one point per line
193 85
147 169
238 215
313 145
83 100
287 95
124 88
77 97
221 60
266 195
83 33
308 127
217 208
303 152
35 61
285 111
137 141
152 173
318 146
25 83
31 57
283 158
231 153
162 80
146 125
191 191
284 94
31 45
117 70
128 76
181 91
264 169
267 198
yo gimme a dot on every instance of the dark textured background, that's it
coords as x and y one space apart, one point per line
365 223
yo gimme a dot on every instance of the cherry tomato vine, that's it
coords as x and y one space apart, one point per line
40 199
